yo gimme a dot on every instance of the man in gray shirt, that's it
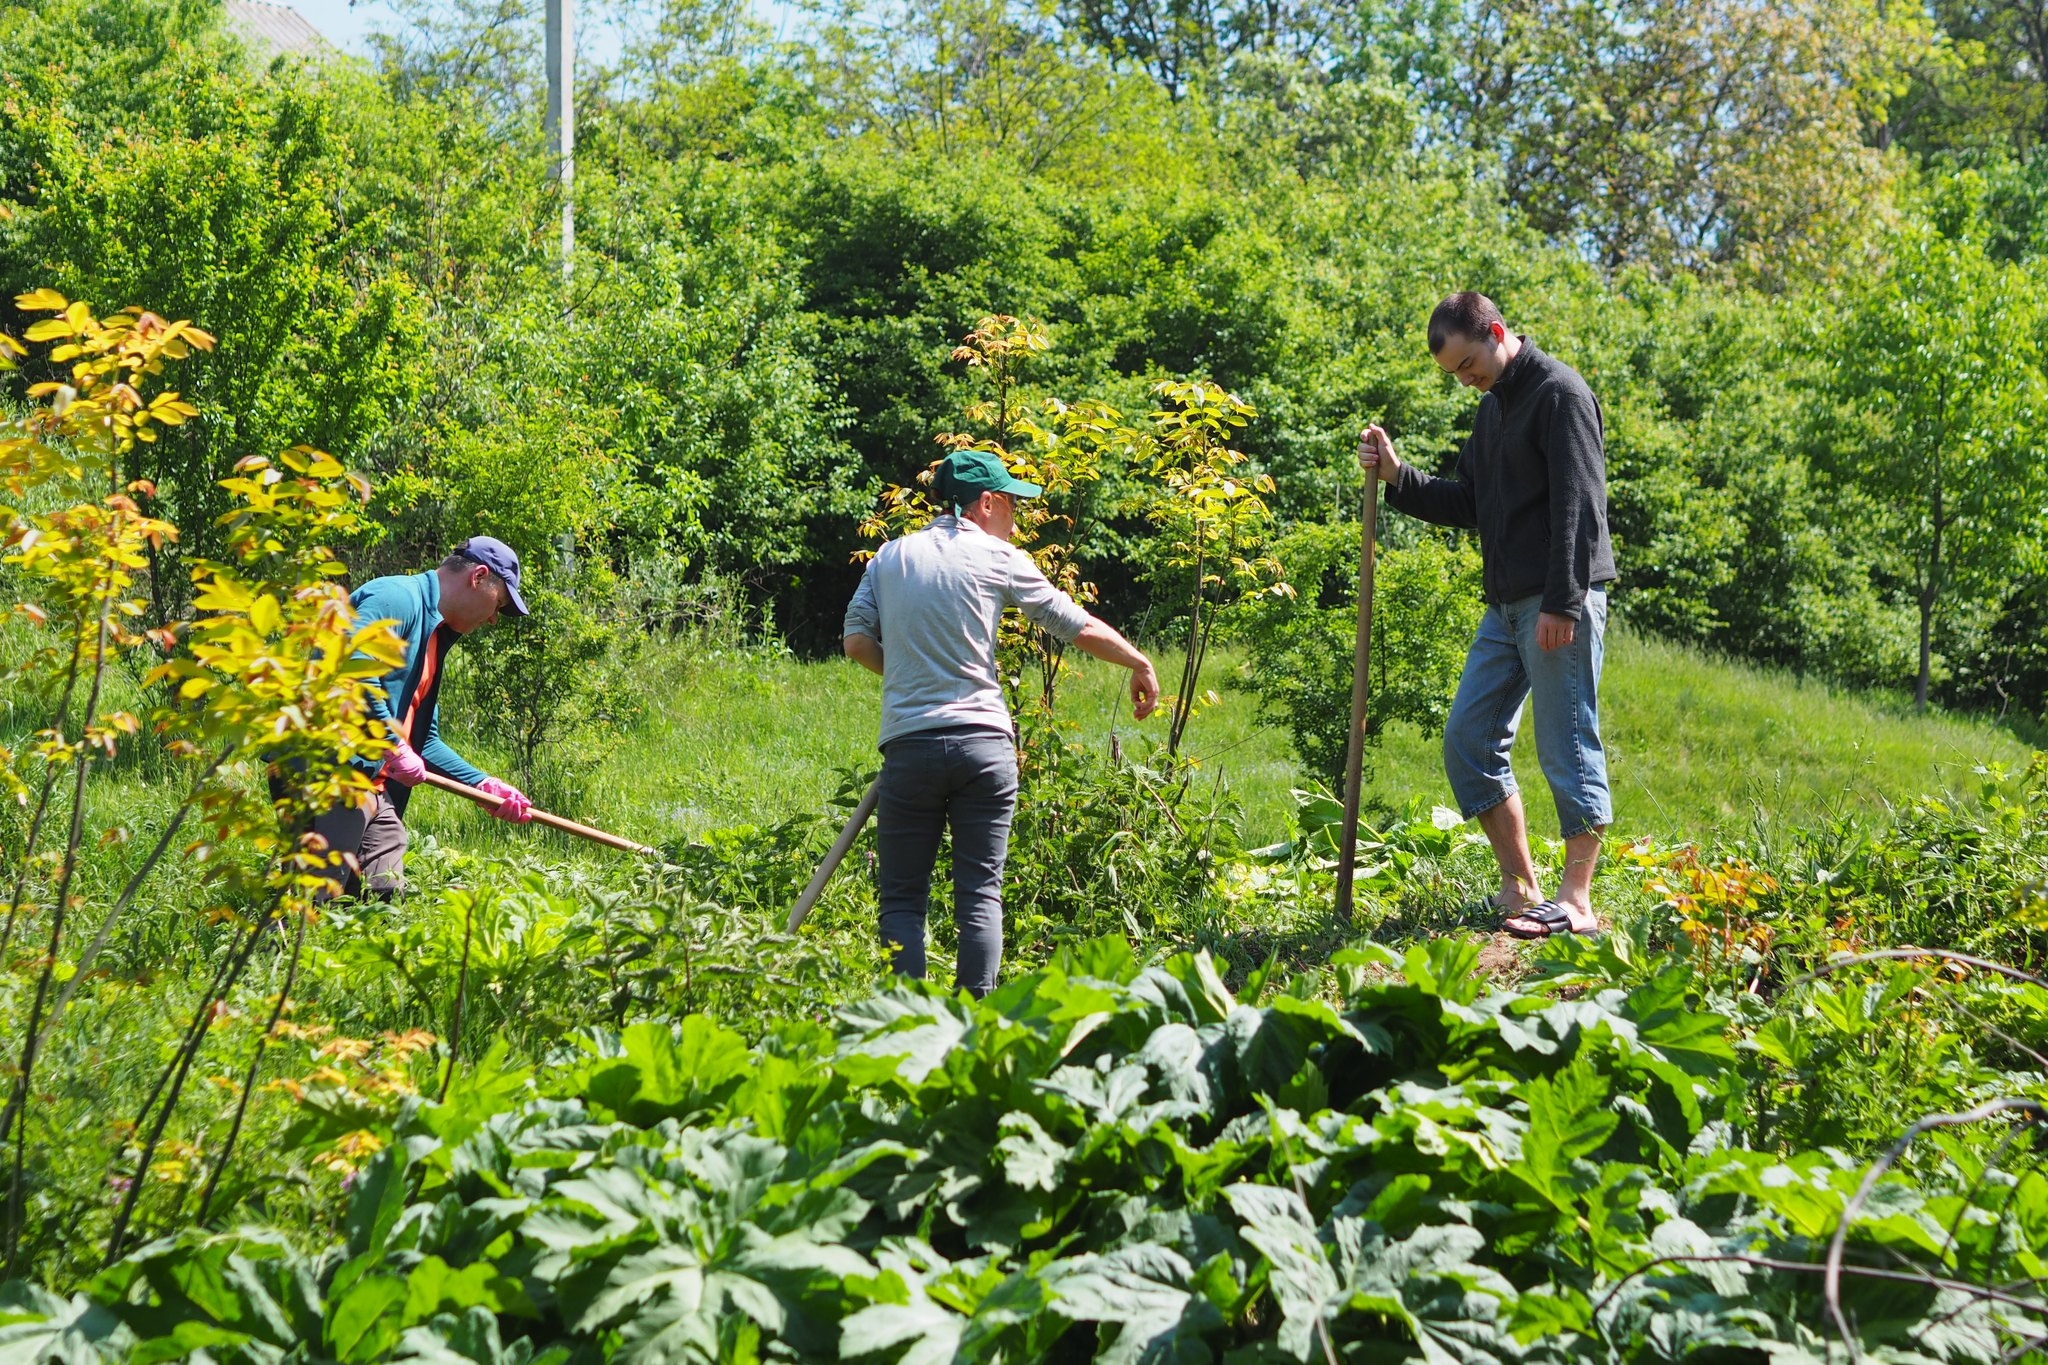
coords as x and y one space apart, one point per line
925 618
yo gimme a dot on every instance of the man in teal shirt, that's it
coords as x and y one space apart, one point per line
429 611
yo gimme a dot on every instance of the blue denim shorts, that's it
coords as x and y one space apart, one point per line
1506 668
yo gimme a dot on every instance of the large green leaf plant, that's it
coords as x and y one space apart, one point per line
1104 1161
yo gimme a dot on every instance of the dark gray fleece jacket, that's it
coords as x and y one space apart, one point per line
1532 480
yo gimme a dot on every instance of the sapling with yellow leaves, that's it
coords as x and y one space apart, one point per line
1056 444
265 695
1215 527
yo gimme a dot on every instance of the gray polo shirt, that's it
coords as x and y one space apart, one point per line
933 599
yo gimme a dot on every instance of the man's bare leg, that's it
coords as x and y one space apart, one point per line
1508 831
1575 887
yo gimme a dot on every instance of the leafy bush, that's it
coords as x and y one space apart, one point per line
556 688
1104 844
225 214
1426 606
531 958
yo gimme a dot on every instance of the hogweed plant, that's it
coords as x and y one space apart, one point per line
264 695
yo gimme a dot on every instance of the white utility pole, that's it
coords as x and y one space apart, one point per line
562 117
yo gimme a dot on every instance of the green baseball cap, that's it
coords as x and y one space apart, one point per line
966 474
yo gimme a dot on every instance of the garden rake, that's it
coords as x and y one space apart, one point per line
854 824
490 802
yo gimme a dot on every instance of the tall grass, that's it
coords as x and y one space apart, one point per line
1696 745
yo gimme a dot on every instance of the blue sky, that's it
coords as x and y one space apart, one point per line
343 23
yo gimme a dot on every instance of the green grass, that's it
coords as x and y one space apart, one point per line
1697 746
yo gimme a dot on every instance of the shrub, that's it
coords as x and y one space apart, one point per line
1426 607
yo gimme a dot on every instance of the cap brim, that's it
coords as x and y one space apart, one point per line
518 602
1017 488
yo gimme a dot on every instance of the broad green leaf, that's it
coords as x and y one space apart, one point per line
899 1035
1568 1120
1197 992
378 1201
38 1326
930 1333
1139 1289
668 1073
469 1338
432 1288
1277 1225
364 1323
1031 1159
1549 1310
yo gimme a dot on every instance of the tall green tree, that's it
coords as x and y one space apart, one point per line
221 205
1674 132
1935 363
968 77
1180 42
1987 86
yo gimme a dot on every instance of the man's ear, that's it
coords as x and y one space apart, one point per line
477 574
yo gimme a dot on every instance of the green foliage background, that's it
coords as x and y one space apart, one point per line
780 240
544 1106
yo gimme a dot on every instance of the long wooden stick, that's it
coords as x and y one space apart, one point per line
1361 691
490 802
854 824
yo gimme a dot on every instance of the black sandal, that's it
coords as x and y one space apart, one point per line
1553 918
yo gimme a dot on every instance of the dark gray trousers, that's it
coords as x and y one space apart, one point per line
372 845
968 779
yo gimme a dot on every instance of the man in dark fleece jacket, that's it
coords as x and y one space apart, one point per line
1532 480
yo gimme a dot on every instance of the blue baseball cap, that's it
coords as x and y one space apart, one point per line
502 560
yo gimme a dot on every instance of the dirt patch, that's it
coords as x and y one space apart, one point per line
1501 958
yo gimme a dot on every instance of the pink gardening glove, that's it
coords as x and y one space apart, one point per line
403 765
515 807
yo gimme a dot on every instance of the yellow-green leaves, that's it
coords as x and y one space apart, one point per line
1214 524
276 669
1053 443
100 413
274 675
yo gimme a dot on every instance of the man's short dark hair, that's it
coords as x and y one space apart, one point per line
458 560
1464 314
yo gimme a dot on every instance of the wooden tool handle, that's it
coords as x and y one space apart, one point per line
854 824
490 802
1361 689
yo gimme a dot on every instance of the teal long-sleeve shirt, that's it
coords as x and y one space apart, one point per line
412 602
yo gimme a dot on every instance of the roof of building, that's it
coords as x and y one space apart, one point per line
276 30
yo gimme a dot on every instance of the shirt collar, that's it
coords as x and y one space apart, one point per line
1517 368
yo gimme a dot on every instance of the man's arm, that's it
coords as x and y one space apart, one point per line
864 650
442 759
1060 616
513 806
861 637
1100 640
1578 494
1445 501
